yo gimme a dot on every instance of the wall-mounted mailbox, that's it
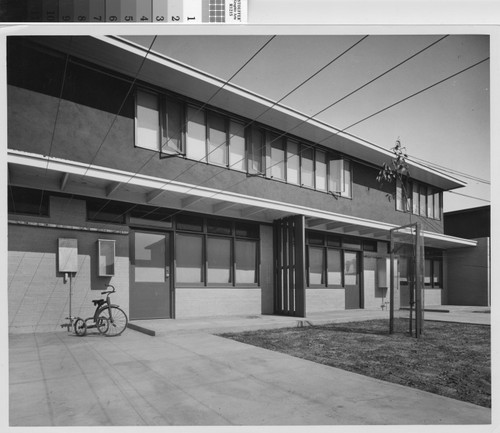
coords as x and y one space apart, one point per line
106 254
68 255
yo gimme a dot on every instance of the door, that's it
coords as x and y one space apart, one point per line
150 288
352 280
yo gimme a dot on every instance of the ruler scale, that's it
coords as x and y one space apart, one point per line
125 11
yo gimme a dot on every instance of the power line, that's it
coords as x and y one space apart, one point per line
469 196
366 118
344 97
453 171
411 96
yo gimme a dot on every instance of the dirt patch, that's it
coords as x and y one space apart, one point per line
451 359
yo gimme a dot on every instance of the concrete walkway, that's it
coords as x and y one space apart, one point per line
186 376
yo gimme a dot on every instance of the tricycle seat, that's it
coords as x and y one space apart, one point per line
98 301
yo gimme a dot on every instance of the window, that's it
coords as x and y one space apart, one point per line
189 222
437 205
219 227
196 134
147 120
247 230
316 266
307 166
321 176
255 151
329 263
347 179
370 246
436 273
421 199
237 160
334 267
276 149
350 268
223 253
427 272
415 199
403 196
339 176
403 270
189 258
430 202
218 260
217 139
172 127
246 261
351 243
101 210
293 162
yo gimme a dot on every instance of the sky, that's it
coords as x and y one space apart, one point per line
447 125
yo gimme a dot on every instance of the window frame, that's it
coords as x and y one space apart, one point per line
137 144
233 238
414 204
254 143
165 100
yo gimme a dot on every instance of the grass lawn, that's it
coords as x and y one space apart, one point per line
453 360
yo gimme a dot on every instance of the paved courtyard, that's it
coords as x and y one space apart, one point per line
186 376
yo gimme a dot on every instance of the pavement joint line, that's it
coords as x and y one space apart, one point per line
96 397
175 385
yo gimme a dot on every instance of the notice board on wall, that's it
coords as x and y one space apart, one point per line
68 255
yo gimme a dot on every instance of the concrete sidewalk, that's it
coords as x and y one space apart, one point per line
186 376
447 313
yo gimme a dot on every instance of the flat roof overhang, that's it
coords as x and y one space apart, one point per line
54 174
125 57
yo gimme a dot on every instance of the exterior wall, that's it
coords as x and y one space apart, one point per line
38 295
468 274
205 302
469 223
320 300
433 297
84 117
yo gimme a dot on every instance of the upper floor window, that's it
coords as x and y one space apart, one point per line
419 199
173 127
147 121
158 123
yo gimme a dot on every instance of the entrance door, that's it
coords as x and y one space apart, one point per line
150 291
351 280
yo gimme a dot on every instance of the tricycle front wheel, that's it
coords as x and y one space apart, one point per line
80 327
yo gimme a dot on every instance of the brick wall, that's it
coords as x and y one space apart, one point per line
206 302
319 300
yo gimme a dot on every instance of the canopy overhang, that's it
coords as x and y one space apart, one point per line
71 177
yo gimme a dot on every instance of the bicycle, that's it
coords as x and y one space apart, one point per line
109 319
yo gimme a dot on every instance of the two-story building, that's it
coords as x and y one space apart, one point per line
235 206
